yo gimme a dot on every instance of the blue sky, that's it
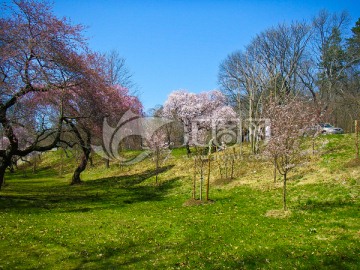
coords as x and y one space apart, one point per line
171 45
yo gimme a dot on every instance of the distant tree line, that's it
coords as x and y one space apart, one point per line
316 60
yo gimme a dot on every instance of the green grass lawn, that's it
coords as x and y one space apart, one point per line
119 219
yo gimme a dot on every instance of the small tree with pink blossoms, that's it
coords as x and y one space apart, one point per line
189 107
288 121
159 148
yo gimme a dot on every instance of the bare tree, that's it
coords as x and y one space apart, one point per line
270 66
118 72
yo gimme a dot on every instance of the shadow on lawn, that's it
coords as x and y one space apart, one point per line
126 181
23 175
288 257
110 192
325 205
113 257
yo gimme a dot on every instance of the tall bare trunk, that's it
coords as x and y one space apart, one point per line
284 192
357 130
208 178
240 137
274 169
194 180
157 164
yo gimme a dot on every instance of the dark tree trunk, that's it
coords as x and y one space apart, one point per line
188 151
357 131
284 193
2 174
82 166
85 142
107 163
91 161
35 164
4 164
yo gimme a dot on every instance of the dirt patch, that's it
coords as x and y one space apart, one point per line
278 214
194 202
353 163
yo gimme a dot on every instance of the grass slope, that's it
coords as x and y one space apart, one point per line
118 219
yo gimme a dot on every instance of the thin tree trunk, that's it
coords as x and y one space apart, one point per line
187 138
91 161
313 146
208 179
284 192
107 163
274 169
240 123
157 165
232 164
357 139
35 164
226 164
194 180
201 178
188 151
251 131
61 163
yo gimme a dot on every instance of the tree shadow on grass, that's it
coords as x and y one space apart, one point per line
125 181
288 257
102 255
24 175
325 204
110 192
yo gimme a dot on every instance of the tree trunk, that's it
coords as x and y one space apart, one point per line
35 164
62 151
208 178
274 169
5 162
82 166
157 165
194 180
2 174
187 137
107 163
232 166
313 146
188 151
91 161
357 139
284 192
240 124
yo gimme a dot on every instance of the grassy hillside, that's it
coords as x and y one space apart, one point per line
119 218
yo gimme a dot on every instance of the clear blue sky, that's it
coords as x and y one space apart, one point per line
171 45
